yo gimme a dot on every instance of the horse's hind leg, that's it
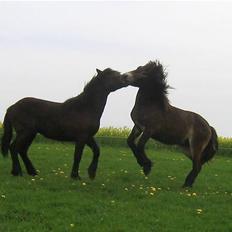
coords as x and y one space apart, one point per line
16 168
193 173
26 142
96 153
135 133
186 151
196 152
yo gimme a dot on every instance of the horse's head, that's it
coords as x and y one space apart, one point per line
150 74
111 79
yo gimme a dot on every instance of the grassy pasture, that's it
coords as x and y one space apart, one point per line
120 198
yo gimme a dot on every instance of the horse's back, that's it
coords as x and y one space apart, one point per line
30 104
193 123
27 112
27 101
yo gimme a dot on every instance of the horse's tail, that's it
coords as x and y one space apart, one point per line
212 146
7 135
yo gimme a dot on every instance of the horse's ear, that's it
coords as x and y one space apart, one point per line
98 71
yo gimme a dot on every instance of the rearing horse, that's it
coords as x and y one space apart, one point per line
77 120
155 118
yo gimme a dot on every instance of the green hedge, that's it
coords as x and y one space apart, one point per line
117 137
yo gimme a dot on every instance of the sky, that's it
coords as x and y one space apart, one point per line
50 50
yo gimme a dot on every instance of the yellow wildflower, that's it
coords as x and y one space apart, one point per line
199 211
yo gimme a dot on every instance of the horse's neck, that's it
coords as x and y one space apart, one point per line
97 101
93 101
145 98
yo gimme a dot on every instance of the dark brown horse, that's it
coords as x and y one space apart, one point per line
77 120
155 118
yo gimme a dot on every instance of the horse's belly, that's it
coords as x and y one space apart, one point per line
66 132
57 134
170 139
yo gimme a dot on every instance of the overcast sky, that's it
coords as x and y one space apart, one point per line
49 50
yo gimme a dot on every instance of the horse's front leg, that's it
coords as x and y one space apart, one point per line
96 153
146 163
135 133
79 147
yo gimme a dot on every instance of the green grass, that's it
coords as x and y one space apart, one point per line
119 199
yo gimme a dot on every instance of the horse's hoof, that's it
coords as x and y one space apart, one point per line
92 171
32 173
146 171
16 173
185 185
75 176
92 174
147 168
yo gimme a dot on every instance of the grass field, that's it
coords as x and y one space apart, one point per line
120 198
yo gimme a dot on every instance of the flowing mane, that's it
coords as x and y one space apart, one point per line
155 85
92 84
98 84
157 77
83 97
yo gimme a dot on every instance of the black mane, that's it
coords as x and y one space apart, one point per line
155 85
93 84
157 76
84 96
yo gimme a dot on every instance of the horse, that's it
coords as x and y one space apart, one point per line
154 117
75 120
